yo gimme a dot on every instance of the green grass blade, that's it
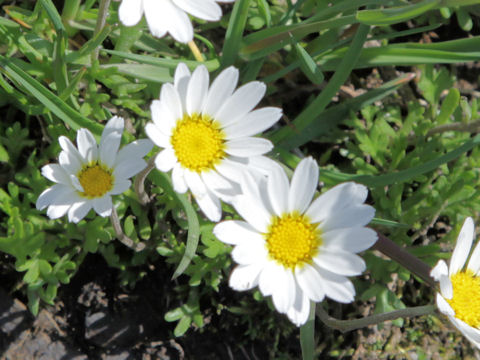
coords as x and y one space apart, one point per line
331 117
165 182
388 16
47 98
143 71
342 72
53 15
89 46
211 65
233 36
404 175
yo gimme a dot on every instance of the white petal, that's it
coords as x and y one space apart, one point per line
340 262
222 87
336 199
250 206
181 73
283 294
210 206
87 145
163 118
134 151
114 126
337 287
128 168
214 181
234 232
242 101
120 187
303 186
165 160
310 282
178 179
52 195
353 239
354 216
245 277
253 123
103 206
171 100
232 170
470 333
71 163
56 173
474 262
444 306
57 211
278 187
69 148
109 148
76 183
205 9
197 90
268 277
439 270
246 147
78 211
300 310
195 183
130 12
464 243
264 165
446 287
165 15
250 251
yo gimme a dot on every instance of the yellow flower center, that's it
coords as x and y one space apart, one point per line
466 297
198 142
95 180
292 240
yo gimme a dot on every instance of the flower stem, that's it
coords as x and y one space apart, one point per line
349 325
139 184
195 50
124 239
101 19
69 13
307 335
128 36
407 260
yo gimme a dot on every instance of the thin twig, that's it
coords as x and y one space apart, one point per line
139 183
195 50
349 325
407 260
101 20
124 239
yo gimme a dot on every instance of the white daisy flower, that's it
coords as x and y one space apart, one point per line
88 177
170 15
294 249
207 134
459 296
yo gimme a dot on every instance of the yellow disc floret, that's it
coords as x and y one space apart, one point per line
292 240
95 180
198 142
466 297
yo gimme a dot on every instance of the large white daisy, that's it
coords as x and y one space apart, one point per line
294 249
87 177
207 134
170 15
459 296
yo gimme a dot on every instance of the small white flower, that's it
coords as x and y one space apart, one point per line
459 296
294 249
87 178
207 134
170 15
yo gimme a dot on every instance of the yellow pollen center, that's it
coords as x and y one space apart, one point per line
466 297
95 180
292 240
198 142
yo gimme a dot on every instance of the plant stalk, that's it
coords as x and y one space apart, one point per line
139 184
101 20
124 239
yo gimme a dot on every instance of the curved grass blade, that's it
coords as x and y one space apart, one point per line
307 335
233 36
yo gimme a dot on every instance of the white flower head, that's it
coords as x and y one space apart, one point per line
87 177
207 134
295 249
459 296
170 15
